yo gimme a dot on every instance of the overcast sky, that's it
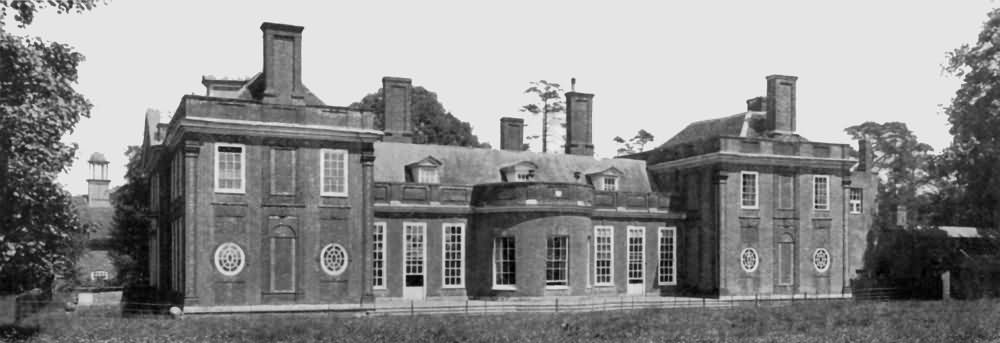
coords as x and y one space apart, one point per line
651 65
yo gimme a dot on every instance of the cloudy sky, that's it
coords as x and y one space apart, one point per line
652 65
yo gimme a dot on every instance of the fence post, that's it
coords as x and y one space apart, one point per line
411 308
557 305
466 306
621 303
703 305
756 300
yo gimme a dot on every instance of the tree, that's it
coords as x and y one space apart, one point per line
38 105
973 158
549 105
635 144
432 123
130 230
902 163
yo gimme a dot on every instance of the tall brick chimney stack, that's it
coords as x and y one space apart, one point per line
781 103
396 94
512 134
282 64
579 125
865 158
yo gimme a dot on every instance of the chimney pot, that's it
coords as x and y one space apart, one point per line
780 105
757 104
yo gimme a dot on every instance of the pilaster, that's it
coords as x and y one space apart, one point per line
190 234
367 217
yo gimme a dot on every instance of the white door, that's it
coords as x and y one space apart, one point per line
414 257
636 252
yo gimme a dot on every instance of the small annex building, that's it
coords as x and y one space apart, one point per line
263 194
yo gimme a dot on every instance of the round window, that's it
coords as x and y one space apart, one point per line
821 260
229 259
749 260
333 259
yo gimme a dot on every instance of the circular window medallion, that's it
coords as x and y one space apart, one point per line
333 258
229 259
749 260
821 260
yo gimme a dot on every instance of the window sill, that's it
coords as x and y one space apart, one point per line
454 287
667 283
604 285
562 287
333 195
231 191
504 288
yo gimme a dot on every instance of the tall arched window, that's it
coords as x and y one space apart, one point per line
786 260
282 266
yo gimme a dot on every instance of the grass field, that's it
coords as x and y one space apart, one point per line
847 321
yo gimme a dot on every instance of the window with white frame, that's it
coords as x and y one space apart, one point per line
748 189
821 260
454 255
427 175
333 259
854 200
557 261
504 263
333 163
749 260
378 256
636 251
99 275
229 259
603 255
668 253
230 171
610 183
821 192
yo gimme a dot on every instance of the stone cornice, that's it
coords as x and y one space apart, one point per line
754 159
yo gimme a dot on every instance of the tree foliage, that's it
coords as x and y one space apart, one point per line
24 10
635 144
902 163
39 228
37 107
432 123
972 160
550 105
130 230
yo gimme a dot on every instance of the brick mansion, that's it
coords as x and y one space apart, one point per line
263 194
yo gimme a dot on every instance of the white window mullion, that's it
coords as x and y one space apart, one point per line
604 255
453 247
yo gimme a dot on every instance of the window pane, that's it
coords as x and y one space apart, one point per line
635 254
821 188
453 251
603 259
504 259
667 238
556 262
378 255
749 190
334 173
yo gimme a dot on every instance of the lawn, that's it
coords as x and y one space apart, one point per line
847 321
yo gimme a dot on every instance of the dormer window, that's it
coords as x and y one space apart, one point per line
519 172
610 184
606 179
427 175
427 170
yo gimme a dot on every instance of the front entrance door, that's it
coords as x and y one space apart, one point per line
636 243
414 255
